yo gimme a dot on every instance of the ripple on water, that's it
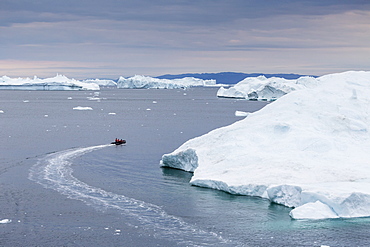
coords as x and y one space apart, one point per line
54 172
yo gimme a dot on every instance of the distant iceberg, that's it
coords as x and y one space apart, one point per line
307 150
262 88
101 82
139 81
59 82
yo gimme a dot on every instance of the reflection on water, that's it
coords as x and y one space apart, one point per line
175 174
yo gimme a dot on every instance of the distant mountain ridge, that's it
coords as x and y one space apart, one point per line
228 77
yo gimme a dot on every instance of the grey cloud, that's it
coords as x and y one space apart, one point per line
203 12
184 35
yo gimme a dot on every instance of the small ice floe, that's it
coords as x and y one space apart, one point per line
93 98
241 114
112 113
82 108
5 221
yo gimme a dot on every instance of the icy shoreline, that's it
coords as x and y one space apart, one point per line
307 151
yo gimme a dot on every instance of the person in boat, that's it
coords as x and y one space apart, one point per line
119 140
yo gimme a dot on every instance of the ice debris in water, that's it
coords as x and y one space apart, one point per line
5 221
82 108
241 114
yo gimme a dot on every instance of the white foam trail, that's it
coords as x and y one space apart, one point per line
54 172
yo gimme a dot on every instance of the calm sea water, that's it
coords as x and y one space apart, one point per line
62 185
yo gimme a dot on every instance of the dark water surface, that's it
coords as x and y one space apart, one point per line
60 185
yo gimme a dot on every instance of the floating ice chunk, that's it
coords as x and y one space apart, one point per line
93 98
5 221
313 211
82 108
241 114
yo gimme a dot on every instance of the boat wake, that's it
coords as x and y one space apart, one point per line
54 172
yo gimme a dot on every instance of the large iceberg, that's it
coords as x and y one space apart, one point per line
308 150
139 81
59 82
262 88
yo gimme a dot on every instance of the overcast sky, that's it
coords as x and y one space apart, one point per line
112 38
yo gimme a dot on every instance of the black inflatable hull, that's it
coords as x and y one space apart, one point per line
119 143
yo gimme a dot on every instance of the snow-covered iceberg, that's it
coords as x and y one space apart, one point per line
262 88
308 150
59 82
139 81
101 82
